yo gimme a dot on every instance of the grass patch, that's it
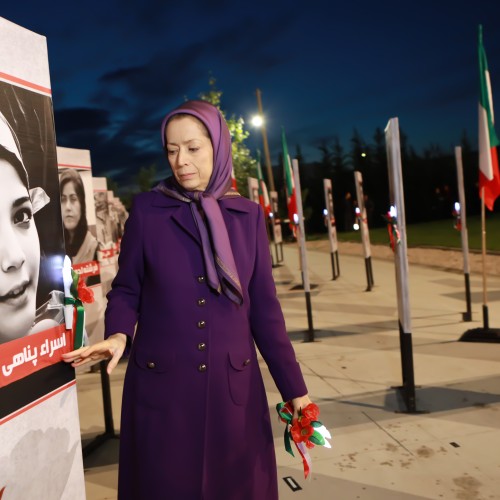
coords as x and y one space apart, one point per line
438 233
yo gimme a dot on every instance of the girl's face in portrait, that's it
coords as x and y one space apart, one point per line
190 152
70 207
19 256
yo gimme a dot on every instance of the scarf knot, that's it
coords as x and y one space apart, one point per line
222 275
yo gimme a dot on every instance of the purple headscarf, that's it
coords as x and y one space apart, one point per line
222 275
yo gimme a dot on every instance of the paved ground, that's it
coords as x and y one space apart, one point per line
449 451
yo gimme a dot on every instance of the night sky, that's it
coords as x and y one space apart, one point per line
324 69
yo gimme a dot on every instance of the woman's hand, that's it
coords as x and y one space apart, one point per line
112 347
299 403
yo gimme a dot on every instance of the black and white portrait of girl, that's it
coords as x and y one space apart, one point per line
30 281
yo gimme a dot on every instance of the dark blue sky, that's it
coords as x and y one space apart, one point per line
324 68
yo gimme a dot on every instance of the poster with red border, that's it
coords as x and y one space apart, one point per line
80 233
40 452
105 228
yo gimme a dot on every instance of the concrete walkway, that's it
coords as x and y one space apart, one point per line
449 451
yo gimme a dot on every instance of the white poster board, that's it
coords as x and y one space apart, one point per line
396 196
40 451
330 215
80 234
104 228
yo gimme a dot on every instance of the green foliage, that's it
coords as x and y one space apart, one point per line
244 165
146 178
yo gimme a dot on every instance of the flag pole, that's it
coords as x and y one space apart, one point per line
486 322
489 183
484 334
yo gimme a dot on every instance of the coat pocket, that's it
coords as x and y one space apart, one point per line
153 361
150 378
239 376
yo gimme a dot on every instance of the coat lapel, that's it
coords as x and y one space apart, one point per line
180 212
231 211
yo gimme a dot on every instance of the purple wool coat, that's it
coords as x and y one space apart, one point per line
195 419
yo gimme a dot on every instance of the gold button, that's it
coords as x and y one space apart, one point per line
151 365
201 302
201 324
246 362
202 346
201 279
202 368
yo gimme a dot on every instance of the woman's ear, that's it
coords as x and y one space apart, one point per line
39 198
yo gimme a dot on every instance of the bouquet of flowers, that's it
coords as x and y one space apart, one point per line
76 293
306 431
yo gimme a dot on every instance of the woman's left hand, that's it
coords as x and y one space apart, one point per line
299 403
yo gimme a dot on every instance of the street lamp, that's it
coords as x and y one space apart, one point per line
257 121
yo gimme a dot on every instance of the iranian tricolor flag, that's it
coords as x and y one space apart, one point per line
264 201
289 182
489 178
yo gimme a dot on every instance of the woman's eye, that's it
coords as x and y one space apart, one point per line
193 150
23 216
171 152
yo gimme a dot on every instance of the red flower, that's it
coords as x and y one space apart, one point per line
85 294
311 412
299 433
304 421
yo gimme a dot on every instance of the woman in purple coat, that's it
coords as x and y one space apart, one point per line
193 296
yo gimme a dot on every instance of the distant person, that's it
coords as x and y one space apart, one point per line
19 245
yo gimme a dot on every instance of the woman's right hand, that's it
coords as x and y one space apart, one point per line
112 347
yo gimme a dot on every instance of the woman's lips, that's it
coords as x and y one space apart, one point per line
17 295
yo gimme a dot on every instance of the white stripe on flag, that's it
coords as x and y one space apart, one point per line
485 165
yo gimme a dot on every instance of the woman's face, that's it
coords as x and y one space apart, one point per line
19 256
190 152
70 206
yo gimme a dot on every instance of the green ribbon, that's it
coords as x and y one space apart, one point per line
80 311
284 414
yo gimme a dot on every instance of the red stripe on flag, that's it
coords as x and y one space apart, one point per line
491 187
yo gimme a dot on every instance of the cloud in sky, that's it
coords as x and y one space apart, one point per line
324 69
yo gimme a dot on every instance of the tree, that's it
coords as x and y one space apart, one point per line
146 178
244 165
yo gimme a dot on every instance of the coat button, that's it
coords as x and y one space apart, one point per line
202 346
201 279
201 324
151 365
201 302
202 368
246 362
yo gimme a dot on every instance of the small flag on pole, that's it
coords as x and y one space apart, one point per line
289 183
264 201
233 180
489 178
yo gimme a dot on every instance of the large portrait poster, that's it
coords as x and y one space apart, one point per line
105 234
80 234
40 452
